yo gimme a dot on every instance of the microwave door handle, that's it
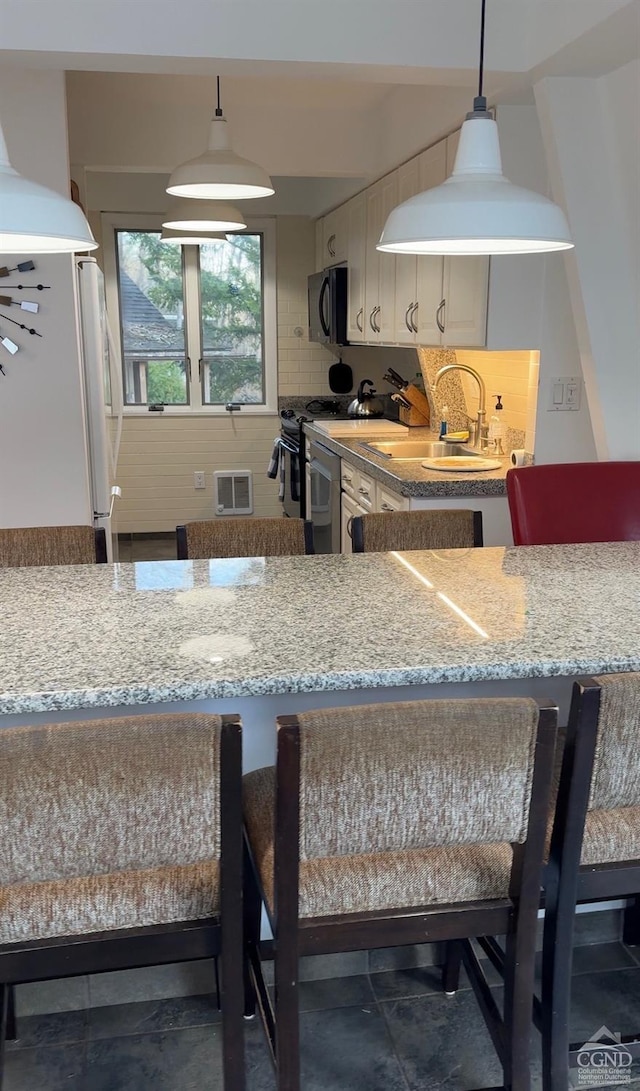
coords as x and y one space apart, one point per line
323 294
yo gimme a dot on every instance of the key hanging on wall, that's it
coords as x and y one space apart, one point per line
8 344
21 267
24 304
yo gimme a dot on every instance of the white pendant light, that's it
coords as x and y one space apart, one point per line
220 174
203 216
190 238
35 219
477 210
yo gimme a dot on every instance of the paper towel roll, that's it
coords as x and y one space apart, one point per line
517 457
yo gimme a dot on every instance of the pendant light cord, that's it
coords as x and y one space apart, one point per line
480 102
218 109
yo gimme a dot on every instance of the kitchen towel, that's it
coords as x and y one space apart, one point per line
277 462
517 457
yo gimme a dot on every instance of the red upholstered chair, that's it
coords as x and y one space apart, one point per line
575 502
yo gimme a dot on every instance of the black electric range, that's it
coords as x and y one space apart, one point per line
292 446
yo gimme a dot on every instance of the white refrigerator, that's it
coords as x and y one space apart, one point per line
103 398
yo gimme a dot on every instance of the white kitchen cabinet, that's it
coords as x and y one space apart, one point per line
386 500
360 486
320 263
380 269
348 508
409 299
356 217
450 293
334 236
406 298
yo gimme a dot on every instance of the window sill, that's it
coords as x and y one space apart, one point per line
209 411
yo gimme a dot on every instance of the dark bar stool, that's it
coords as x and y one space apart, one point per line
22 546
595 842
236 537
122 847
442 528
371 832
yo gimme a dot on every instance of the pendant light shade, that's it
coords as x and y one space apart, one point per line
219 174
477 210
203 216
190 238
35 219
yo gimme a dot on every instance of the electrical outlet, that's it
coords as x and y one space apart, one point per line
198 480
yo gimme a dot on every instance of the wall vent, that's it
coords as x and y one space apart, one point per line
233 492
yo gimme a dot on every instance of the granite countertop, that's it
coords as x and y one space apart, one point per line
411 478
130 634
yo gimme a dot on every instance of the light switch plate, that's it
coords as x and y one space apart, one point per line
566 394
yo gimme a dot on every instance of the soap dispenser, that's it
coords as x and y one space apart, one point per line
444 421
496 428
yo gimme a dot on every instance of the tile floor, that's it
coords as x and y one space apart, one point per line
383 1031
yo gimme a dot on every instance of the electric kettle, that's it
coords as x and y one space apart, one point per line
365 404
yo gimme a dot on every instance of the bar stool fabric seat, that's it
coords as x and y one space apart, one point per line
237 537
108 824
378 532
22 546
377 880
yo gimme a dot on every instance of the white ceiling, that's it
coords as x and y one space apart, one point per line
337 90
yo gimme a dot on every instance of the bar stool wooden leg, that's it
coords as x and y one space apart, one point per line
451 968
7 1021
287 1017
631 925
557 958
252 911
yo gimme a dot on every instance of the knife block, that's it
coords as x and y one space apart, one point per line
419 415
413 417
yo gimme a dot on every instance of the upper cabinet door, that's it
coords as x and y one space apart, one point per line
387 264
319 245
372 304
404 332
429 269
465 288
356 210
465 291
334 234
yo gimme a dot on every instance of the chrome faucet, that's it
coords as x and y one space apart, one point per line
480 429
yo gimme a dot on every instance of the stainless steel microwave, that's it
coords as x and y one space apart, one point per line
328 306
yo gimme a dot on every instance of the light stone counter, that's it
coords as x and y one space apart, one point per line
411 478
92 637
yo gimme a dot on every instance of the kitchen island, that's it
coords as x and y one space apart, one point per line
266 636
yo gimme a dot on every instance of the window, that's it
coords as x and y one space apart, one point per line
197 323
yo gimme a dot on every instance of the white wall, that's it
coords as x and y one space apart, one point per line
546 321
591 130
43 467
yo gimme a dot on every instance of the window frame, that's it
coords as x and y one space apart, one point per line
266 226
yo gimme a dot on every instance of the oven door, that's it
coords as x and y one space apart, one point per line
323 499
290 451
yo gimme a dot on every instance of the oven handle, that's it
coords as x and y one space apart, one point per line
289 446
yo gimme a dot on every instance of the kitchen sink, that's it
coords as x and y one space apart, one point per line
407 450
